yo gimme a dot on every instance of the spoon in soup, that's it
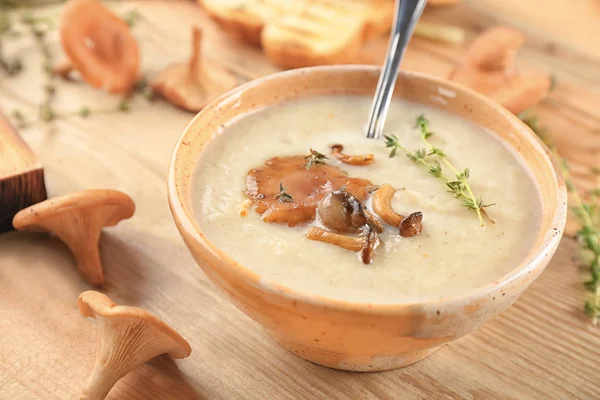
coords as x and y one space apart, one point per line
407 15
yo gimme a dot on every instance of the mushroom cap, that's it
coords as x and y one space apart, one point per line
306 186
108 206
94 304
99 45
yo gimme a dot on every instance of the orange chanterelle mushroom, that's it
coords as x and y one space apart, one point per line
490 69
77 219
287 189
99 46
192 85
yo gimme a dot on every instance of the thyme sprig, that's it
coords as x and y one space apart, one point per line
38 27
314 158
588 216
283 196
458 186
11 66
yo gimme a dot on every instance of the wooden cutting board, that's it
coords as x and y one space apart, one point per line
21 175
541 348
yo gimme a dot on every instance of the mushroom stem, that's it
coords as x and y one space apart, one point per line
345 242
63 69
195 64
100 382
382 206
87 256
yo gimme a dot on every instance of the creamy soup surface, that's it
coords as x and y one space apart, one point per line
453 254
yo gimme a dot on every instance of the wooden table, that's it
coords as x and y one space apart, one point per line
541 348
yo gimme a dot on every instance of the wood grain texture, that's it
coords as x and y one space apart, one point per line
541 348
21 175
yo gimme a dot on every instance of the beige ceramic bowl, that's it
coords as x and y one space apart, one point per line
361 336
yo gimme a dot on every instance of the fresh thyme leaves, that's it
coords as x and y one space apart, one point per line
131 17
283 196
392 141
459 186
38 27
314 158
588 216
141 87
13 65
84 112
124 106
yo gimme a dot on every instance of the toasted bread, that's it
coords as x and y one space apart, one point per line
297 33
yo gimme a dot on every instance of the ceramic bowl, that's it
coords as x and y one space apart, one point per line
360 336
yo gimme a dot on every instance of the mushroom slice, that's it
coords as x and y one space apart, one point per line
382 205
304 188
99 46
77 219
411 225
336 152
352 243
490 69
366 245
372 241
194 84
127 338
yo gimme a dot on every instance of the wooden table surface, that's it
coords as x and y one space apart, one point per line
541 348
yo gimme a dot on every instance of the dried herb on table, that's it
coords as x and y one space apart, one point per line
458 186
314 158
588 216
131 17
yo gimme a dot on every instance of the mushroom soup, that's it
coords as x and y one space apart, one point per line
296 193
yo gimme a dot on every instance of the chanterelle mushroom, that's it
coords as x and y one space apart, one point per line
194 84
99 45
305 187
128 337
341 211
77 219
489 68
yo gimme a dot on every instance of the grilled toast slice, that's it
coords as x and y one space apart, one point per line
297 33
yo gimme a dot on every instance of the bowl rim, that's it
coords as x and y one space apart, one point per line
190 230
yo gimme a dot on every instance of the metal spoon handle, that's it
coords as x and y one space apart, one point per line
408 13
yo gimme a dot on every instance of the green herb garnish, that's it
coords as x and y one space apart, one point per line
124 106
84 112
283 196
314 158
131 17
588 216
458 186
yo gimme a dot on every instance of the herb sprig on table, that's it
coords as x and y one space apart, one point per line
588 216
23 21
458 186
